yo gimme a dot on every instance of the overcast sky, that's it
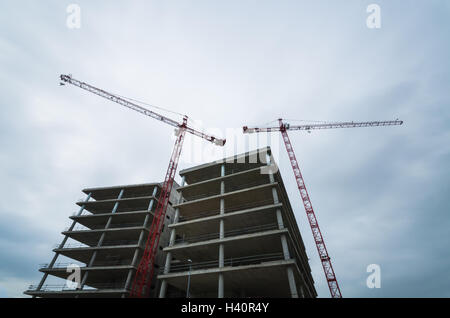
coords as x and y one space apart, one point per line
380 194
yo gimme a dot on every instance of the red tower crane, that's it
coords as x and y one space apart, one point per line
317 234
144 274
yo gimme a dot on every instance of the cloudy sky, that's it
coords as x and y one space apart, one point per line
380 194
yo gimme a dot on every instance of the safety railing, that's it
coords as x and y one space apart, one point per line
96 263
237 261
77 228
70 287
60 265
244 168
88 213
112 226
246 185
199 215
95 243
227 190
197 238
211 236
125 225
228 209
201 196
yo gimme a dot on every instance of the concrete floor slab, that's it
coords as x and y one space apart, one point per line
256 243
267 279
234 221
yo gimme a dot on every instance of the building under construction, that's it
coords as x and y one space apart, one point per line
105 239
212 194
229 231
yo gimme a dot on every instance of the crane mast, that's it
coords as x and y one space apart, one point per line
325 259
317 234
144 274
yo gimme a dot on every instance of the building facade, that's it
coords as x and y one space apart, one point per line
229 232
234 234
106 240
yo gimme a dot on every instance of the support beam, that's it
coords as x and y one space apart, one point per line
100 241
163 288
220 287
284 244
140 241
291 279
41 283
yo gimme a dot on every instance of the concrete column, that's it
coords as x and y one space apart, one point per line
102 237
291 279
140 241
221 261
163 289
275 196
220 288
287 256
220 293
284 244
271 178
285 247
61 245
302 292
268 161
173 231
280 220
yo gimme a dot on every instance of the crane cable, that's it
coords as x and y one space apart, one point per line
194 123
150 105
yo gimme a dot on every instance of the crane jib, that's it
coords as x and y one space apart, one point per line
330 276
284 126
119 100
144 273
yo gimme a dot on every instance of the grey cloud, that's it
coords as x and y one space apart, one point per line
380 194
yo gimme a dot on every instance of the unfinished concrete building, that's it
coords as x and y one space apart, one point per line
108 233
229 232
234 234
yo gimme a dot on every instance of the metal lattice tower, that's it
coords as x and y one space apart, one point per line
314 224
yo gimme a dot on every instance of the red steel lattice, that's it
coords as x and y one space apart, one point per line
144 274
318 239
